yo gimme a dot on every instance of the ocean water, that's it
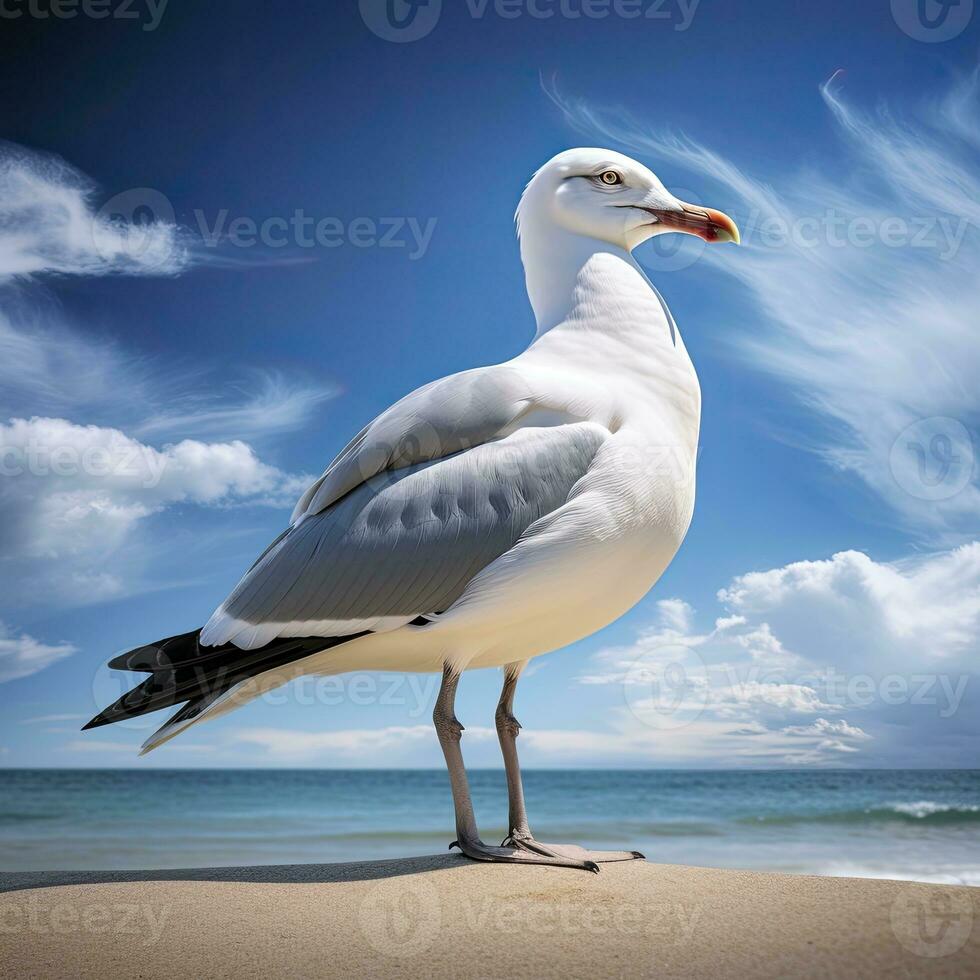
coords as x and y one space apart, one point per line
922 825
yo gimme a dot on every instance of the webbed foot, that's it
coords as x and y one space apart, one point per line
518 854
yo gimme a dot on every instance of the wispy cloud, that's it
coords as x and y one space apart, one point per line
864 266
48 366
21 655
261 404
49 223
824 728
50 227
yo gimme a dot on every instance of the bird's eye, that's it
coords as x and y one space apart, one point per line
610 177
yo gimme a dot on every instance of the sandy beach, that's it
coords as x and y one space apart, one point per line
444 916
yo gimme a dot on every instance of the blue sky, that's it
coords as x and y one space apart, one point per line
825 604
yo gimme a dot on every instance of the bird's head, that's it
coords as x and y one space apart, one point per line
606 195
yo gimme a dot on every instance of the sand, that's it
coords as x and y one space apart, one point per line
445 916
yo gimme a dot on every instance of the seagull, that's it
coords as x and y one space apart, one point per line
488 517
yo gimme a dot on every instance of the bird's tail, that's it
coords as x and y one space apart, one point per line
199 678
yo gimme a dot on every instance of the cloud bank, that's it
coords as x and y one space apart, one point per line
809 663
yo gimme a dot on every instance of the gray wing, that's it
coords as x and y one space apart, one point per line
437 420
407 541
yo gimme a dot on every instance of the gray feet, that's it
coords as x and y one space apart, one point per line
520 847
569 851
517 854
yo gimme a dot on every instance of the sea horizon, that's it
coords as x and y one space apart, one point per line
912 824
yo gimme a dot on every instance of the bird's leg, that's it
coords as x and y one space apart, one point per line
508 728
468 840
520 836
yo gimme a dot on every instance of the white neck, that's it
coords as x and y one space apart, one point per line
559 287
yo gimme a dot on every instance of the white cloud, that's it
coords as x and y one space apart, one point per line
922 611
864 267
823 727
675 614
49 223
890 645
71 496
794 698
49 226
21 655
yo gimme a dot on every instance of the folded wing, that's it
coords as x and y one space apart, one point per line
396 528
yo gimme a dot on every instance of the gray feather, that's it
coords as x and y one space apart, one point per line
406 542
